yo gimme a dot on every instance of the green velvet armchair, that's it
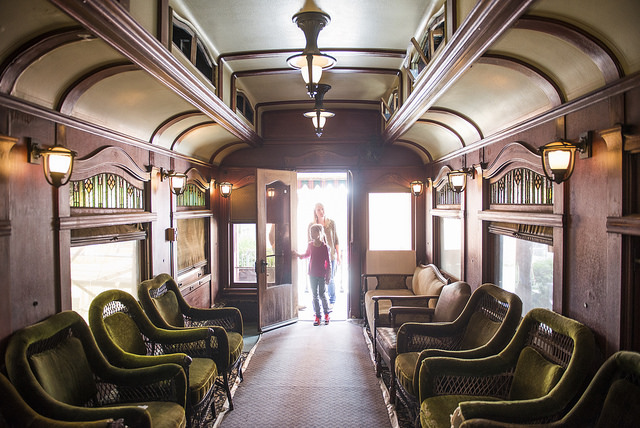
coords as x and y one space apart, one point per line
485 326
532 380
59 371
16 413
161 299
128 339
611 399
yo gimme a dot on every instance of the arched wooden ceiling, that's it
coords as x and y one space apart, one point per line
506 63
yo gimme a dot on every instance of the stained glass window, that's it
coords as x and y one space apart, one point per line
105 191
446 196
192 197
522 186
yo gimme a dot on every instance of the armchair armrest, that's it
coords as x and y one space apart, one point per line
413 336
228 317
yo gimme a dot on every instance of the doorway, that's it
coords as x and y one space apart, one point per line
331 190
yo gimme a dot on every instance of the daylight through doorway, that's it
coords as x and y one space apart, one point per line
331 190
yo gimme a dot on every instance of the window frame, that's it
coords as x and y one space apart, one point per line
197 46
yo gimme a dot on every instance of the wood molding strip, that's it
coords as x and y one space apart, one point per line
626 225
101 220
514 155
54 116
118 29
25 55
73 93
241 56
523 217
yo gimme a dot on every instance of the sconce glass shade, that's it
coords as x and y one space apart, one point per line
225 189
271 192
558 160
57 163
178 183
417 187
458 180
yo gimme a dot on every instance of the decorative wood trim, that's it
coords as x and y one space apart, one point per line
120 30
162 128
190 129
442 177
540 219
486 23
195 177
632 144
113 160
6 144
179 215
455 212
73 93
537 76
597 51
54 116
101 220
458 115
627 225
513 155
613 137
381 53
34 49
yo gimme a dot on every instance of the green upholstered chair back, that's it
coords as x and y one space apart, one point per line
491 315
453 298
551 354
161 299
115 318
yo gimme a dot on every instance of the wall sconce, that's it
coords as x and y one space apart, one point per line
225 189
271 192
319 114
57 162
417 188
311 20
559 157
458 179
177 181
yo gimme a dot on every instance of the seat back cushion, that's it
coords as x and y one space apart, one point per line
426 282
451 302
391 282
125 333
534 376
620 408
64 372
480 330
169 310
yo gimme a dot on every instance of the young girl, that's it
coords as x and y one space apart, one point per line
319 270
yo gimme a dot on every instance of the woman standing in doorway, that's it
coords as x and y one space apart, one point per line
332 242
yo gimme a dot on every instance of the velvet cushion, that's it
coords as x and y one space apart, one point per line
168 307
534 376
405 368
236 343
621 407
390 282
480 330
435 412
202 375
64 372
426 283
125 333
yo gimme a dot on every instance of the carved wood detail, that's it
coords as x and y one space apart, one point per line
513 155
320 157
110 159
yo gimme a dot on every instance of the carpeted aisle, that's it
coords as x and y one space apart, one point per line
311 377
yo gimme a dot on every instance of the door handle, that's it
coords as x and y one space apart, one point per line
263 266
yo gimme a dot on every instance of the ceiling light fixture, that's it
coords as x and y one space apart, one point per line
311 20
319 114
559 157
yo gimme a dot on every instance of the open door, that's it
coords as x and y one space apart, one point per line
276 271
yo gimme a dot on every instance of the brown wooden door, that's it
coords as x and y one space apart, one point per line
277 297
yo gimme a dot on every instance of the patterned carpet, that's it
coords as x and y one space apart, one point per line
306 376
